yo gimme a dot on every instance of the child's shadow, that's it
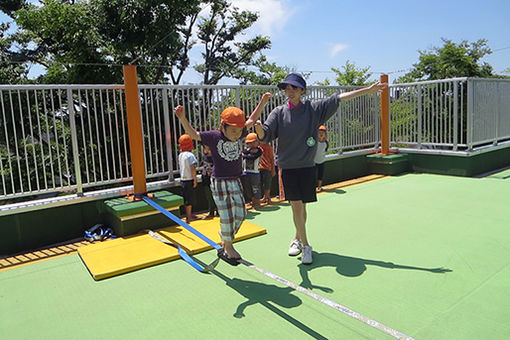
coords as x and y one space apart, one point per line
351 267
256 292
269 296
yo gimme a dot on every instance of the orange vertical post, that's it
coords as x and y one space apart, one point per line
385 117
134 129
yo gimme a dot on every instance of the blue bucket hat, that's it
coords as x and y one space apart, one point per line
294 79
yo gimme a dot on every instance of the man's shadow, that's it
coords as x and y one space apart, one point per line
267 295
351 267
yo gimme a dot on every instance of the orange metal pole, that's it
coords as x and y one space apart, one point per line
385 117
134 129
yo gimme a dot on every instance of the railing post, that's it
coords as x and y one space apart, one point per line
455 114
470 108
168 135
238 96
420 117
385 117
134 121
498 110
74 142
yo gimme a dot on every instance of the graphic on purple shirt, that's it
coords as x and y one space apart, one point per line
226 154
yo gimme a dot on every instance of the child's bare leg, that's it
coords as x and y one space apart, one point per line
189 216
255 203
267 196
319 185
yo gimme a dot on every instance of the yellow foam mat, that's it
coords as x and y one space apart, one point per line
122 255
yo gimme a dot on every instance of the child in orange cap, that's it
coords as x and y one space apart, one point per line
320 155
188 171
251 175
226 148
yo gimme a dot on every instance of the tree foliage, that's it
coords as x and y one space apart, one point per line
451 60
224 54
263 73
87 41
350 75
12 67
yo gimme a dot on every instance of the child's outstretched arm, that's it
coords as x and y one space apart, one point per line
375 87
258 129
179 112
258 110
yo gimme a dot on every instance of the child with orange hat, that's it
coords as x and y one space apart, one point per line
226 148
251 178
188 171
320 155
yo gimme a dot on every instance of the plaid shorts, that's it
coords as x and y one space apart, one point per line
228 196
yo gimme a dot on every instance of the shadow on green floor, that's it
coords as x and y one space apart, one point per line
350 267
267 295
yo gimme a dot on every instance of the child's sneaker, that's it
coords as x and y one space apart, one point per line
295 248
307 255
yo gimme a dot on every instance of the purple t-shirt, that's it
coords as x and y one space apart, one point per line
227 160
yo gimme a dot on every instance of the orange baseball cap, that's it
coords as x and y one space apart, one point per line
233 116
322 128
186 143
251 137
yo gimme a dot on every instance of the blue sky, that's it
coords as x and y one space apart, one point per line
315 35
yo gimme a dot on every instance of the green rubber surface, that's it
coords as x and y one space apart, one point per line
380 248
124 207
505 174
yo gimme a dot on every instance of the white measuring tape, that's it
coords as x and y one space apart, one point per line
353 314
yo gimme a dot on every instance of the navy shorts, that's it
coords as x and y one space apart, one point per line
187 192
320 171
299 184
266 178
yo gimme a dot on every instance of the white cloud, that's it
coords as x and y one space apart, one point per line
273 14
337 48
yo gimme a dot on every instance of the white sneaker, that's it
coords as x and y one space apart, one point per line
295 248
307 255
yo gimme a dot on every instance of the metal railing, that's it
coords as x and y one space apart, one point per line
458 114
58 139
73 139
489 111
429 114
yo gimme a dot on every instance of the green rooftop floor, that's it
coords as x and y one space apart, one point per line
378 249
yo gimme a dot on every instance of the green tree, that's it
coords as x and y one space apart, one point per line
451 60
156 34
78 42
224 54
13 69
263 73
350 75
10 6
